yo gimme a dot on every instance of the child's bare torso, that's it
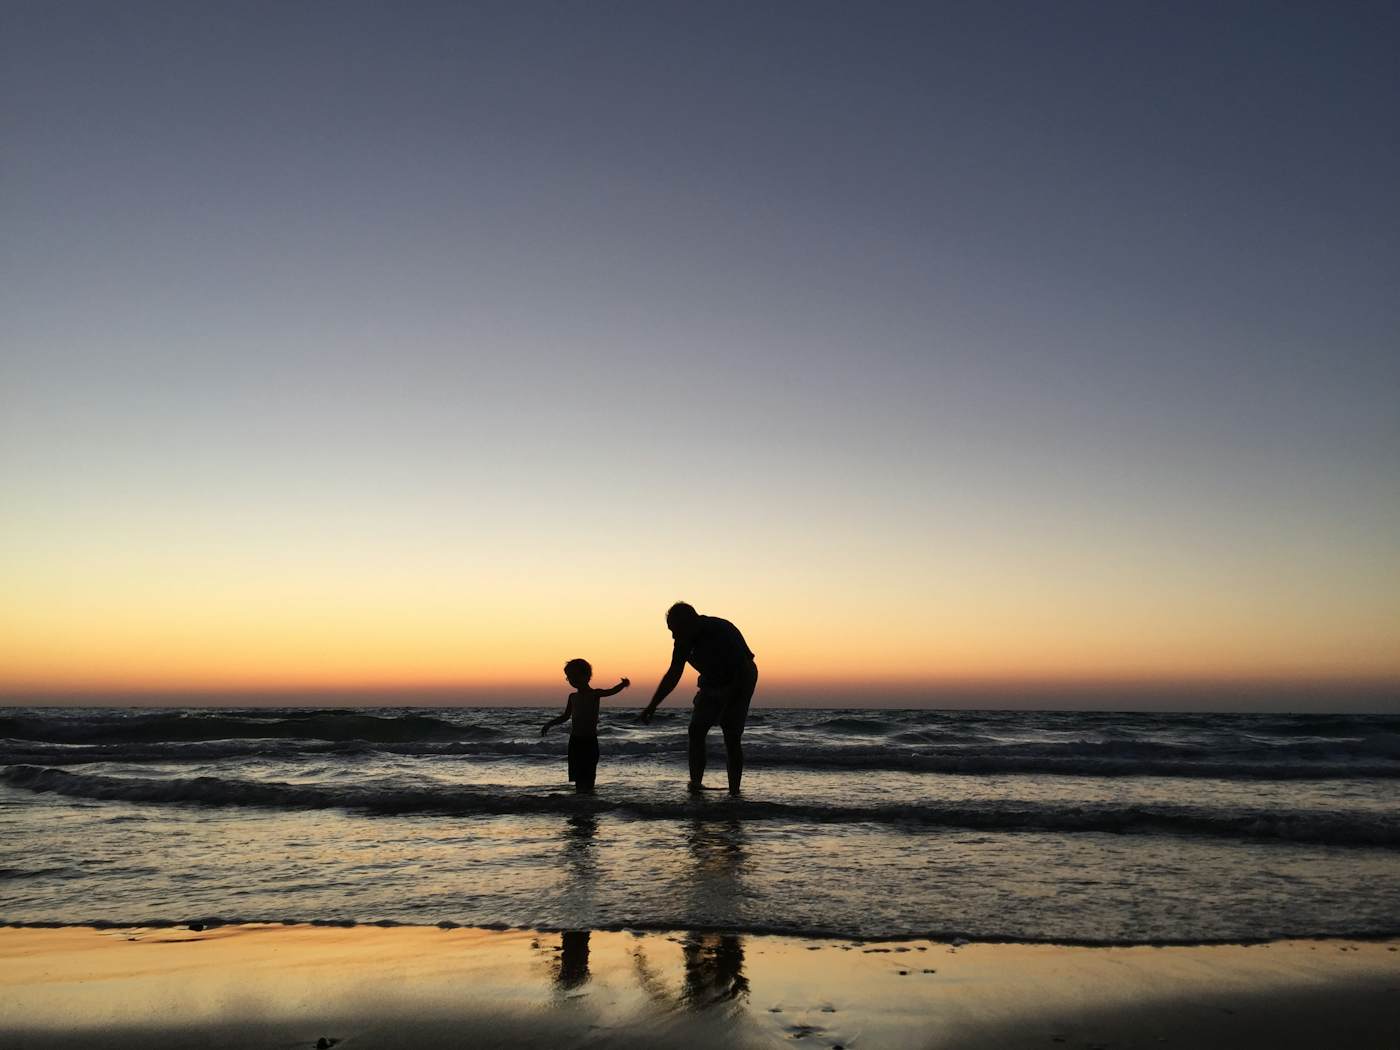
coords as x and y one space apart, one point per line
585 713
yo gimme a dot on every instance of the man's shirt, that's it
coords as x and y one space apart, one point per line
717 650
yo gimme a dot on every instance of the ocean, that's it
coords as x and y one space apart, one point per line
1071 827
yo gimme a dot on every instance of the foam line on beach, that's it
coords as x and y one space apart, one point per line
950 938
1315 826
1364 759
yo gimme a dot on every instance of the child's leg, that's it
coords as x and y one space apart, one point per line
588 765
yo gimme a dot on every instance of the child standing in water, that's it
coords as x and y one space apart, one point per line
583 734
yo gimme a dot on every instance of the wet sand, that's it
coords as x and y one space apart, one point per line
423 987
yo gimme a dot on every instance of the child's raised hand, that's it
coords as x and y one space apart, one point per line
626 682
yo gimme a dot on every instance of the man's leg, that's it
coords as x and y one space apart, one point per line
702 718
697 753
734 758
736 714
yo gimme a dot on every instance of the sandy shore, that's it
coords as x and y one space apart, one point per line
291 986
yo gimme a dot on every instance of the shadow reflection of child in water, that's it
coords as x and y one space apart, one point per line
573 959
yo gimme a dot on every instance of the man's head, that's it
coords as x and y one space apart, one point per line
578 673
682 619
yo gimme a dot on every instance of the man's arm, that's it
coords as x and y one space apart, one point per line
615 689
669 681
568 711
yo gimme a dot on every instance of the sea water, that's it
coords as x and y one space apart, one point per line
1055 826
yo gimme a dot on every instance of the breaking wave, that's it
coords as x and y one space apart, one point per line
196 726
1377 756
1322 827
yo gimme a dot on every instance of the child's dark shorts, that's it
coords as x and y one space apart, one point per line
583 760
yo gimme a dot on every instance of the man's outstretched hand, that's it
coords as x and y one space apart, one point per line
645 716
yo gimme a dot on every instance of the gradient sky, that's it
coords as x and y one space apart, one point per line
386 345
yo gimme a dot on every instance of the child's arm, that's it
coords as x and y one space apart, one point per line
615 689
568 711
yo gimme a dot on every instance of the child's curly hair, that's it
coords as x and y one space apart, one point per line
580 669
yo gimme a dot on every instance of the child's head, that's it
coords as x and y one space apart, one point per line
578 672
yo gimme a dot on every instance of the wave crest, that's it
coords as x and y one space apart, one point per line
183 727
1315 826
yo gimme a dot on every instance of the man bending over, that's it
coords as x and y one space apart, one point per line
728 676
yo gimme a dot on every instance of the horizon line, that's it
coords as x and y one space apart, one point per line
1197 693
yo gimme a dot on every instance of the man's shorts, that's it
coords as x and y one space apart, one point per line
728 705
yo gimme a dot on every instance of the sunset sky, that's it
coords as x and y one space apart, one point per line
369 347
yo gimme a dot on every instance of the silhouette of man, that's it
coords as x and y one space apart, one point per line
728 676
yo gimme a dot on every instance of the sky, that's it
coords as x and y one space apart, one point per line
953 351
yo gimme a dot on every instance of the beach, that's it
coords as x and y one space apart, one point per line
424 878
1035 827
290 986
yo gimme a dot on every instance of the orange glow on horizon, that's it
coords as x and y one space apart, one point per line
161 612
383 645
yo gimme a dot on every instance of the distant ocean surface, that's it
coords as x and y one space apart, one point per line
1059 826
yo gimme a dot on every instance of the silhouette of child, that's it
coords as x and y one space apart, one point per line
582 707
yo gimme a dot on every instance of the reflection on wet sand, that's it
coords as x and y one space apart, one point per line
712 973
712 962
571 964
572 968
273 985
714 969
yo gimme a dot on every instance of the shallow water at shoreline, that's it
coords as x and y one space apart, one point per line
168 821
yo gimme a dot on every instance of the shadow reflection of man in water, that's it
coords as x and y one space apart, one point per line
714 962
714 969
